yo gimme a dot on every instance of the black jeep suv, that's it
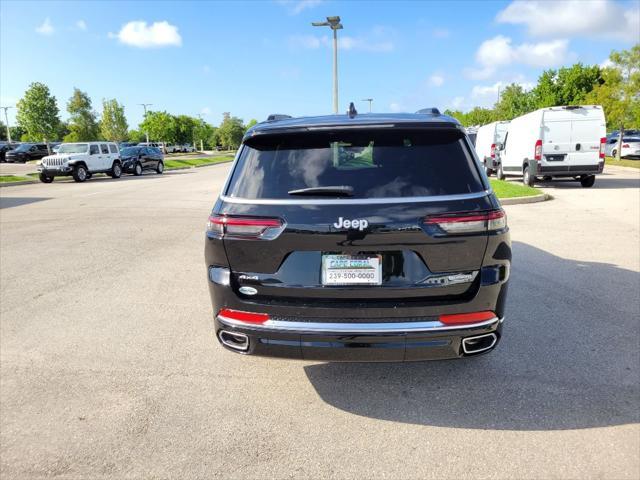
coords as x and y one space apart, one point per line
359 238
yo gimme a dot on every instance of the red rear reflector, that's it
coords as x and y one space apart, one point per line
248 317
493 150
625 145
603 140
538 150
462 318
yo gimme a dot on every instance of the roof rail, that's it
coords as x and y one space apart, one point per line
274 117
429 111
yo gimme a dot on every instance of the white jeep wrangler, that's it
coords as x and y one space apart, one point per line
81 160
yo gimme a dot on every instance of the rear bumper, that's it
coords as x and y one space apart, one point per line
364 342
569 170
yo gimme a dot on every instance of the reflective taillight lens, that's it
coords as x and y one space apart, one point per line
464 318
625 145
603 141
538 151
225 226
470 222
493 150
240 316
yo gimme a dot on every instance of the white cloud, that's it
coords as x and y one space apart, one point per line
396 107
436 80
499 51
294 7
456 103
595 18
606 63
440 33
46 28
82 25
345 42
487 95
205 111
158 34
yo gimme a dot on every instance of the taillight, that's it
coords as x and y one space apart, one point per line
538 151
224 226
464 318
469 222
493 150
625 145
603 141
240 316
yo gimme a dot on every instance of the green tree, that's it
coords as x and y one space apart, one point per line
184 128
161 127
566 86
3 131
37 113
202 132
63 131
514 101
230 132
113 125
137 136
83 124
251 123
18 133
619 92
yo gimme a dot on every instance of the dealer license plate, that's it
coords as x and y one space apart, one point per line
351 269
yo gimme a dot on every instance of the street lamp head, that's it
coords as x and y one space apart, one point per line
320 24
333 22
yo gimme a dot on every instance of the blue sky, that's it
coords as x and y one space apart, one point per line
256 58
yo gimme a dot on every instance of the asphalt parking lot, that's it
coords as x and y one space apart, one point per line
109 367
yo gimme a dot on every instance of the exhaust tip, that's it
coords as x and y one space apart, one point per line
234 340
479 343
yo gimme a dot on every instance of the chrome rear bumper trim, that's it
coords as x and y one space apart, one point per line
321 327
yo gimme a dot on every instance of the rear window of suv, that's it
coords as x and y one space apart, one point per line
371 163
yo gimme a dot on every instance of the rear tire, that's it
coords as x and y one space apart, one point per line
80 173
587 181
45 178
116 170
528 179
137 170
488 171
500 173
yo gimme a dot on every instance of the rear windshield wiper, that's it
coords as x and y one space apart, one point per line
335 190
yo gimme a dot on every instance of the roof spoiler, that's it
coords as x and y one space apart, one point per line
274 117
429 111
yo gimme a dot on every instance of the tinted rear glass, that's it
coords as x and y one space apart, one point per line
375 164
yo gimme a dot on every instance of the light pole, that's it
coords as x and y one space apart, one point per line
145 105
6 119
335 25
370 100
199 115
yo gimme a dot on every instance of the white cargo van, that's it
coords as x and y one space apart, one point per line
555 142
488 138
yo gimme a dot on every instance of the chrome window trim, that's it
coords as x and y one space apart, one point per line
354 201
321 327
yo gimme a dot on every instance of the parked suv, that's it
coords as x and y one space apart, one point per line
81 160
358 238
26 152
137 159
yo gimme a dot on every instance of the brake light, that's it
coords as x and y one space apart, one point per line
463 318
538 151
240 316
469 222
493 150
625 145
224 226
603 141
